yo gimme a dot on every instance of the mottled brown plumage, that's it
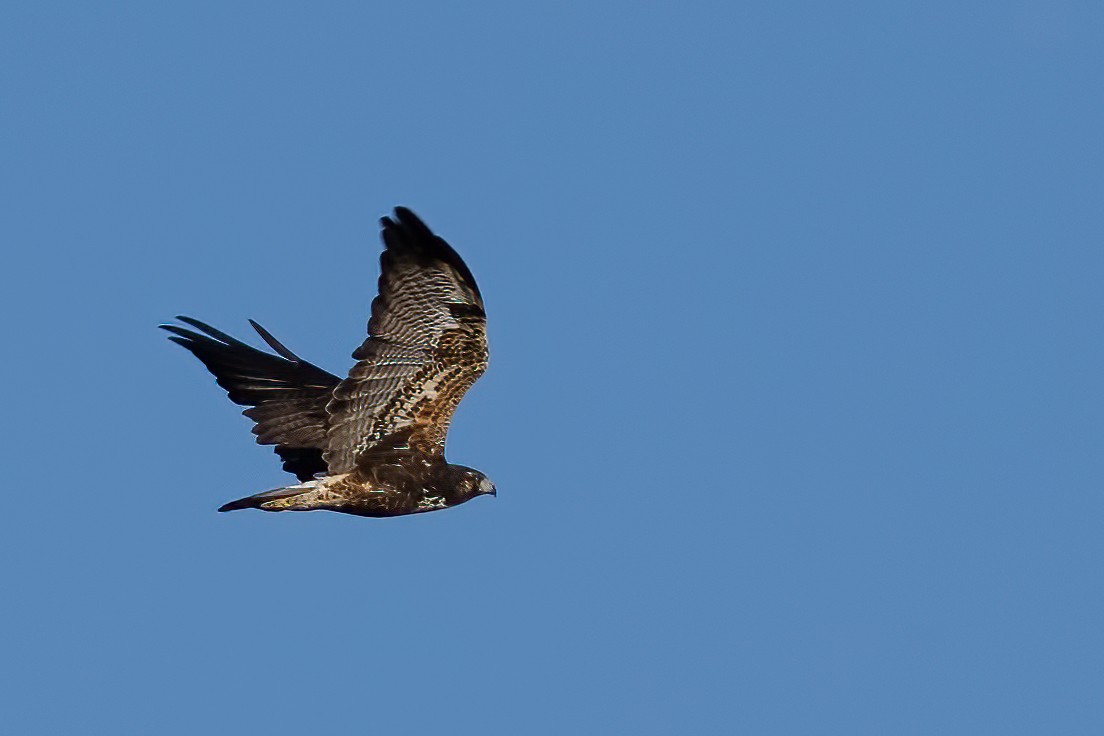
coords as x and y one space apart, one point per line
372 444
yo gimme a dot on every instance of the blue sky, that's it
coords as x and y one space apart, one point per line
795 398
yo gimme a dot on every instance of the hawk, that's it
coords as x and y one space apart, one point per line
372 444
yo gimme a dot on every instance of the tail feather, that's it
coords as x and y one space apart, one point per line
255 501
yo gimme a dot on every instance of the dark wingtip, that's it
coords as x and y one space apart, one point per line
404 230
406 216
175 329
174 336
178 331
275 344
241 503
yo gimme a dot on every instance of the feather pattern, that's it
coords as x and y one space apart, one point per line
373 443
285 394
426 346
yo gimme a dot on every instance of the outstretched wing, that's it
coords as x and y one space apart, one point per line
427 344
287 395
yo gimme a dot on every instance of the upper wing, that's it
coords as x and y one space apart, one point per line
427 344
287 395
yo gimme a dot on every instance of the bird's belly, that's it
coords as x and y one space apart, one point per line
366 499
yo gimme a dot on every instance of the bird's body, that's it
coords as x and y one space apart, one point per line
384 491
373 443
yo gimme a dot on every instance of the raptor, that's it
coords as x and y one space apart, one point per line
372 444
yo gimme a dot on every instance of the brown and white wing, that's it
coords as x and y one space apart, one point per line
427 344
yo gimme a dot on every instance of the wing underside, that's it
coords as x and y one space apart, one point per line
426 346
286 396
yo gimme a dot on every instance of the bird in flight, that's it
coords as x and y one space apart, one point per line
374 443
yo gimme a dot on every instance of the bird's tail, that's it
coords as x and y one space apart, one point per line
285 499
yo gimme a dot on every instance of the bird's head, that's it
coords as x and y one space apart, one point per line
471 483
